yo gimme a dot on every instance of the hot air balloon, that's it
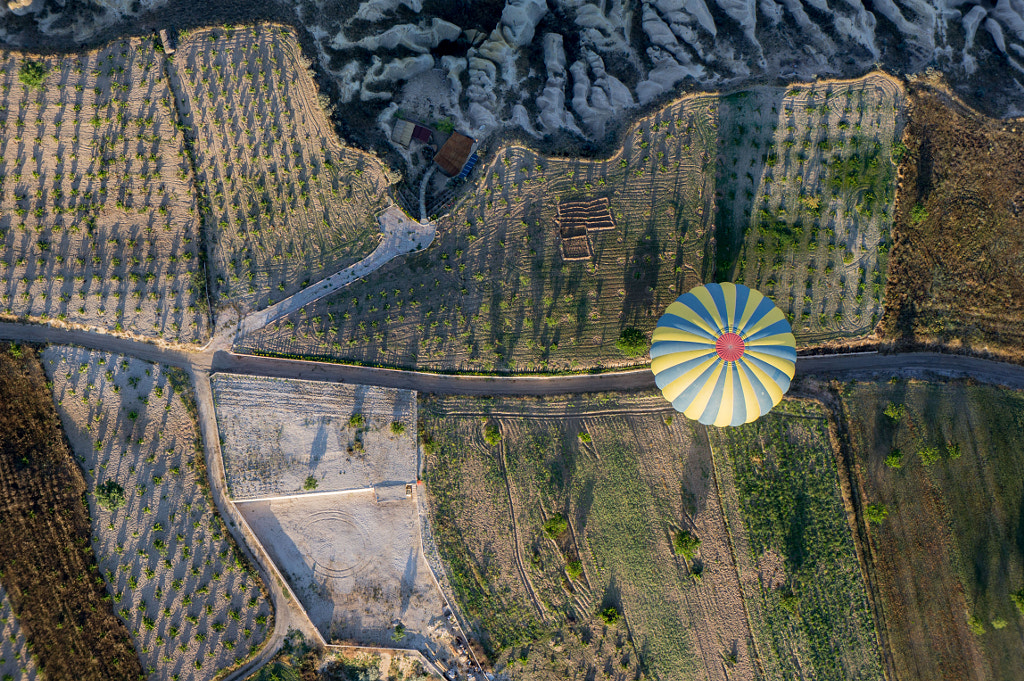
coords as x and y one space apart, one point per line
723 354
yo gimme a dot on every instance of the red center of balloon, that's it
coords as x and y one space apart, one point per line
729 347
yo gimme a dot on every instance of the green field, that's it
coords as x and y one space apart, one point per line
947 465
806 596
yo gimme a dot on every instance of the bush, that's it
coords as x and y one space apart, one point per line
310 484
929 455
397 428
895 459
953 450
399 632
685 544
632 342
574 569
999 623
110 495
445 125
555 526
876 513
356 421
918 214
609 615
492 435
895 412
585 437
32 73
1018 600
975 625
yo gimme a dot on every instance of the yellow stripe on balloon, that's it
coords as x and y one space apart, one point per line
786 339
753 409
753 300
659 364
704 296
668 333
784 365
729 293
700 401
774 315
676 387
684 311
724 416
774 391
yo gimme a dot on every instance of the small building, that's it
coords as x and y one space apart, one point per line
402 132
454 154
421 134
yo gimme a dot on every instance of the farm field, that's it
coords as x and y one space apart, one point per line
298 656
286 203
494 293
60 606
958 261
98 222
192 603
942 465
548 512
807 179
16 662
279 434
803 584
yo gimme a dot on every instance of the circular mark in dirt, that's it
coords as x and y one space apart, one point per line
339 544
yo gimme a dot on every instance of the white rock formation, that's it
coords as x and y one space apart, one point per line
553 114
415 38
390 72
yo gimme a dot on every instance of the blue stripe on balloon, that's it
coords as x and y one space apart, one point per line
660 348
674 322
715 402
739 402
693 302
742 296
666 376
763 308
780 351
685 398
781 326
764 400
773 373
718 296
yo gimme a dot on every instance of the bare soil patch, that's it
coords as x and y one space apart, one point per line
98 221
958 261
48 562
193 604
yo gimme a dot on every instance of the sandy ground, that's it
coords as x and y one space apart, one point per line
163 554
15 660
276 433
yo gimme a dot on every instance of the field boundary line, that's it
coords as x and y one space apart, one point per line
284 497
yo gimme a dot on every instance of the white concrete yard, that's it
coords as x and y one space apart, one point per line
278 432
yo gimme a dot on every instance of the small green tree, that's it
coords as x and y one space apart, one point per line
686 544
918 214
632 342
356 421
110 495
895 459
399 632
585 437
555 526
876 513
975 625
929 455
445 125
895 411
492 435
32 73
310 484
1018 600
609 615
397 428
999 623
953 450
574 569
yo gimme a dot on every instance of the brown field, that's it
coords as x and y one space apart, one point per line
958 261
286 202
493 293
98 221
626 477
951 550
49 570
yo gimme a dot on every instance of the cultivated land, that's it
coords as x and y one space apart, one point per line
15 660
193 604
804 590
626 477
278 433
494 294
949 470
98 222
286 203
48 563
299 657
807 183
958 261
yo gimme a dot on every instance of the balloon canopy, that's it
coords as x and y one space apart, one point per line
723 354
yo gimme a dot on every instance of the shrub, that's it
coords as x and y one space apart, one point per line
492 435
975 625
918 214
999 623
397 428
895 411
1018 600
609 615
32 73
895 459
574 569
445 125
555 526
929 455
310 484
585 437
685 544
356 421
876 513
399 632
632 342
110 495
953 450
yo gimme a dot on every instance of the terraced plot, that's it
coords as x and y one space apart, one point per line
288 203
494 293
807 181
194 605
98 220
